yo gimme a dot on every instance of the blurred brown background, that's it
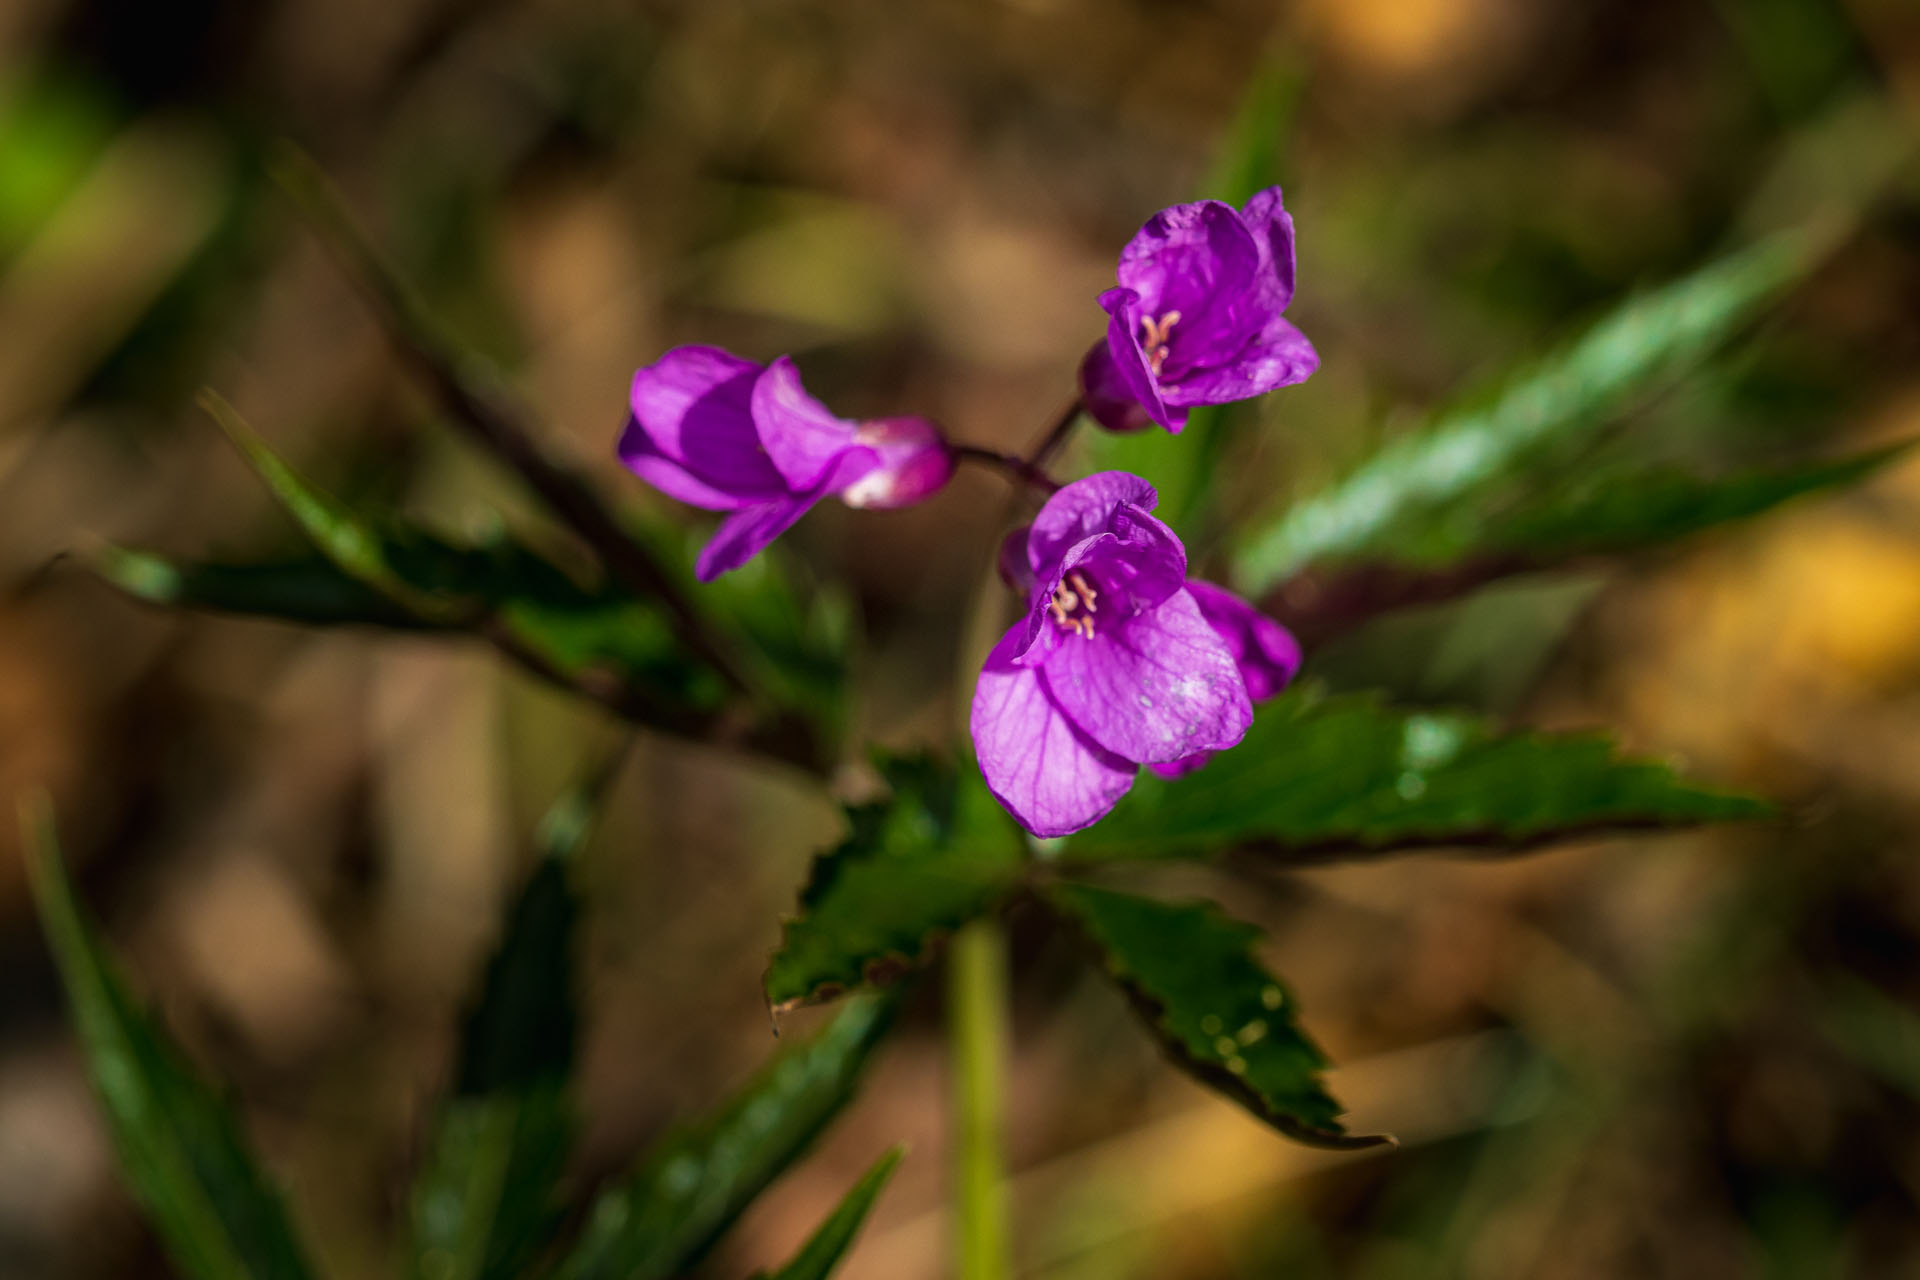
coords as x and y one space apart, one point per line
1691 1056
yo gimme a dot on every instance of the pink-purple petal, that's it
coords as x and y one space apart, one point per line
1037 634
1082 509
1280 356
1012 561
1182 767
1107 396
693 407
1186 258
798 433
1266 652
747 532
1129 358
645 460
1036 763
914 463
1158 688
1272 228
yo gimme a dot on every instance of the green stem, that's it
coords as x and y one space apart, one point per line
977 1027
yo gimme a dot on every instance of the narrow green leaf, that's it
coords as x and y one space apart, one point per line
1484 652
1252 151
350 543
1319 775
1623 510
308 589
1191 974
599 637
690 1188
484 1201
181 1147
1440 473
917 866
820 1256
1879 1033
1553 521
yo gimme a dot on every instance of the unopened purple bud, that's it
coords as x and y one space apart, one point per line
1105 394
915 462
1013 566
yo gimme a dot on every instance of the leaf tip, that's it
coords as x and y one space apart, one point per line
40 848
1331 1139
35 809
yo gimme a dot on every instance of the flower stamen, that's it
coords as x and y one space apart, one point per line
1156 333
1073 595
1085 588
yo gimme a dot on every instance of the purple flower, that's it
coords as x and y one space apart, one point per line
1266 653
1114 666
1196 319
729 435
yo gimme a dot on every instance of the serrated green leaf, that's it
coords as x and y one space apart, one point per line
820 1257
1190 973
1321 774
484 1202
916 866
690 1188
180 1146
1444 473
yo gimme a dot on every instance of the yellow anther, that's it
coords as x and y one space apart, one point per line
1065 606
1087 594
1155 335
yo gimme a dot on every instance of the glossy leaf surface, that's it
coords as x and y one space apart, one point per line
916 866
1320 774
1192 976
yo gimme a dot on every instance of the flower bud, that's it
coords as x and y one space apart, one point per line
915 463
1105 394
1012 564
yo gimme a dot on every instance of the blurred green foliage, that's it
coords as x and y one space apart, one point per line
180 1146
819 1257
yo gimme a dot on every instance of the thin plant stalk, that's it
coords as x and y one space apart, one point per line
977 1030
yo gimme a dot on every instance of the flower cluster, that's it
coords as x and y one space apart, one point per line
1120 659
